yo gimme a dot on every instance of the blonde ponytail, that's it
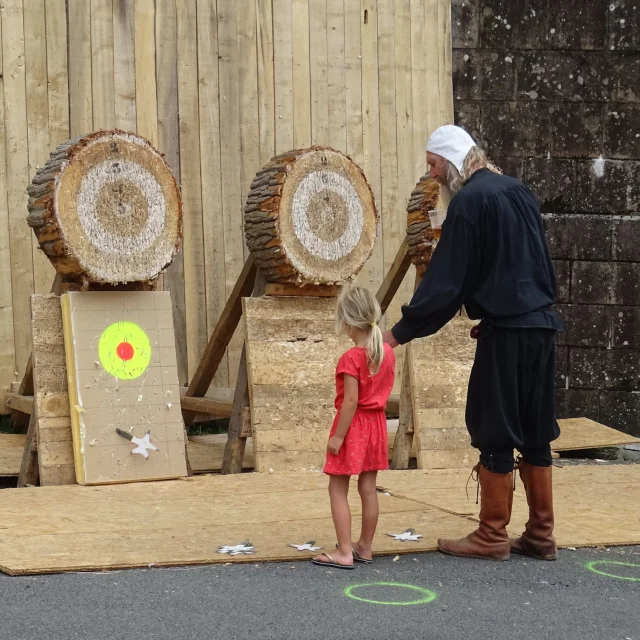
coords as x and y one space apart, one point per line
357 307
375 349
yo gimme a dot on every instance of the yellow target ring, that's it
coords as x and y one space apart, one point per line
124 350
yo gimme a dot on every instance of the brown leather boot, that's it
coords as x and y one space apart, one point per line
490 540
537 540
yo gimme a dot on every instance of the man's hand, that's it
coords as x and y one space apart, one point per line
334 445
387 338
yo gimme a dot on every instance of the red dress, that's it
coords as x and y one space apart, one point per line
365 445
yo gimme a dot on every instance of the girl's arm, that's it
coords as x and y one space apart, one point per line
347 411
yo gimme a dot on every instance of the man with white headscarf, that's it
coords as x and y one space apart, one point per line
492 258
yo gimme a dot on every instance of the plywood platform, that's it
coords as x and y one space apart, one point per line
182 522
582 433
205 452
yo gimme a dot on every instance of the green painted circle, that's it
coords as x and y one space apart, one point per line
112 337
592 567
426 595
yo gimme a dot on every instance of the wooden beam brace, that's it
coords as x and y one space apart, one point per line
394 277
16 402
236 443
240 422
207 406
222 334
29 467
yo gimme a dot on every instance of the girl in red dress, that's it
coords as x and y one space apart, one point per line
358 438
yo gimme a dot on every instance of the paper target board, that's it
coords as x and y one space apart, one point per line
123 386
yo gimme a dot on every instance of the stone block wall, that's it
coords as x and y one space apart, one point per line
551 88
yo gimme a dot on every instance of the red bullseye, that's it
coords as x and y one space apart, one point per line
125 351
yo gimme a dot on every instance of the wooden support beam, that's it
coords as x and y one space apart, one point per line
29 467
404 436
240 422
221 336
206 406
394 277
16 402
236 443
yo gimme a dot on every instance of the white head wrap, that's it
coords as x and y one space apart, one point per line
452 143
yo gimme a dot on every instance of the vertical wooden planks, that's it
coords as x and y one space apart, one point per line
420 91
145 67
102 64
336 74
194 284
283 74
17 165
445 54
319 83
228 58
57 71
80 101
388 142
210 171
7 351
301 74
354 74
432 53
404 138
124 65
248 96
166 71
373 272
37 117
266 89
353 81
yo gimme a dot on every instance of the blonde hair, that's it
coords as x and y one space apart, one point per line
476 159
358 308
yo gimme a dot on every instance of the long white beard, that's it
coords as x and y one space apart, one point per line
446 195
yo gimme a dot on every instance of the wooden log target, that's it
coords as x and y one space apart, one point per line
310 218
420 236
106 208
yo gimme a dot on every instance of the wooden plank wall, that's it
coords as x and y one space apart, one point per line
219 86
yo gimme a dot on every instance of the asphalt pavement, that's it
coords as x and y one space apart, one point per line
439 597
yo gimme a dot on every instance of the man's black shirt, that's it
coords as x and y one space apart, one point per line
492 258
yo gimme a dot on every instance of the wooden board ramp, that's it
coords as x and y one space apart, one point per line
577 434
184 522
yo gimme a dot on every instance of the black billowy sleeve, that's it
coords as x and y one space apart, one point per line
446 284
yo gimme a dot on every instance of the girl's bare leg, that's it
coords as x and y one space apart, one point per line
370 511
338 491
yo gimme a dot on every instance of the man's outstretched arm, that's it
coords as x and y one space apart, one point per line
447 282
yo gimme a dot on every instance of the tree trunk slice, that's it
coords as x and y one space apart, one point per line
106 208
421 240
310 218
